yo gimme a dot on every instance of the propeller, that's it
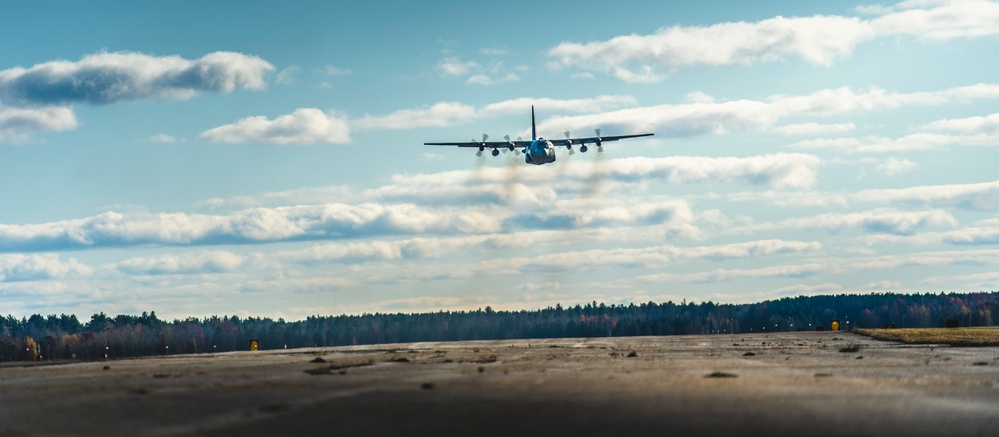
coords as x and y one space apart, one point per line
568 143
517 152
481 147
600 146
510 147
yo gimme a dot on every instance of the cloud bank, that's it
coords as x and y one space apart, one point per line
104 78
38 99
818 39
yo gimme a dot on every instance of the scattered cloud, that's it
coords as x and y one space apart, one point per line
162 138
494 51
185 263
702 115
492 74
104 78
988 124
818 39
304 126
334 71
880 220
37 99
809 129
984 232
482 79
19 124
895 166
977 197
454 66
287 76
17 267
458 202
706 116
452 113
438 114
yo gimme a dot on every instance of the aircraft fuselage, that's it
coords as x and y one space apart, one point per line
537 151
541 151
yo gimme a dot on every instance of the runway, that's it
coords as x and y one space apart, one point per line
784 384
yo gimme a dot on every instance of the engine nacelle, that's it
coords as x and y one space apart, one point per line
511 146
583 148
495 152
482 148
599 142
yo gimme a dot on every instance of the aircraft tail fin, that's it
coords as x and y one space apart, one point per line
534 134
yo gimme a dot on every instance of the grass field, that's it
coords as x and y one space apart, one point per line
986 336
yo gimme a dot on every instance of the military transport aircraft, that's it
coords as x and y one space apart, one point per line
538 151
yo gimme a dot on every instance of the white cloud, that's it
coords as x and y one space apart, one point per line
454 66
477 74
18 124
32 267
312 222
333 71
809 289
119 76
975 281
780 170
726 275
702 116
872 144
895 166
656 257
482 79
880 220
187 263
438 114
162 138
819 39
537 186
304 126
287 76
940 20
451 113
967 126
707 116
681 120
463 202
979 196
36 99
985 232
807 129
494 51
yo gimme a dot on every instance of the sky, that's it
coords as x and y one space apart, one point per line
266 158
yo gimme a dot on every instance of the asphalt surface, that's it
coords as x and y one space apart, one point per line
786 384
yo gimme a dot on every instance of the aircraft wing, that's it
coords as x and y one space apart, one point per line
486 144
597 140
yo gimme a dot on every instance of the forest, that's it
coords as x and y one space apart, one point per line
65 337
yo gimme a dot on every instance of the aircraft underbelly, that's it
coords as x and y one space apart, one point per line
542 158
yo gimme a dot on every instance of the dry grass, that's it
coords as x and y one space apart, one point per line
953 336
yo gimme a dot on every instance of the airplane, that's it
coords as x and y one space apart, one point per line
538 151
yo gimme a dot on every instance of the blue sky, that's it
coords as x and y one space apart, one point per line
266 158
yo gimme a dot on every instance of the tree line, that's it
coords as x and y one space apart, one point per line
65 337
